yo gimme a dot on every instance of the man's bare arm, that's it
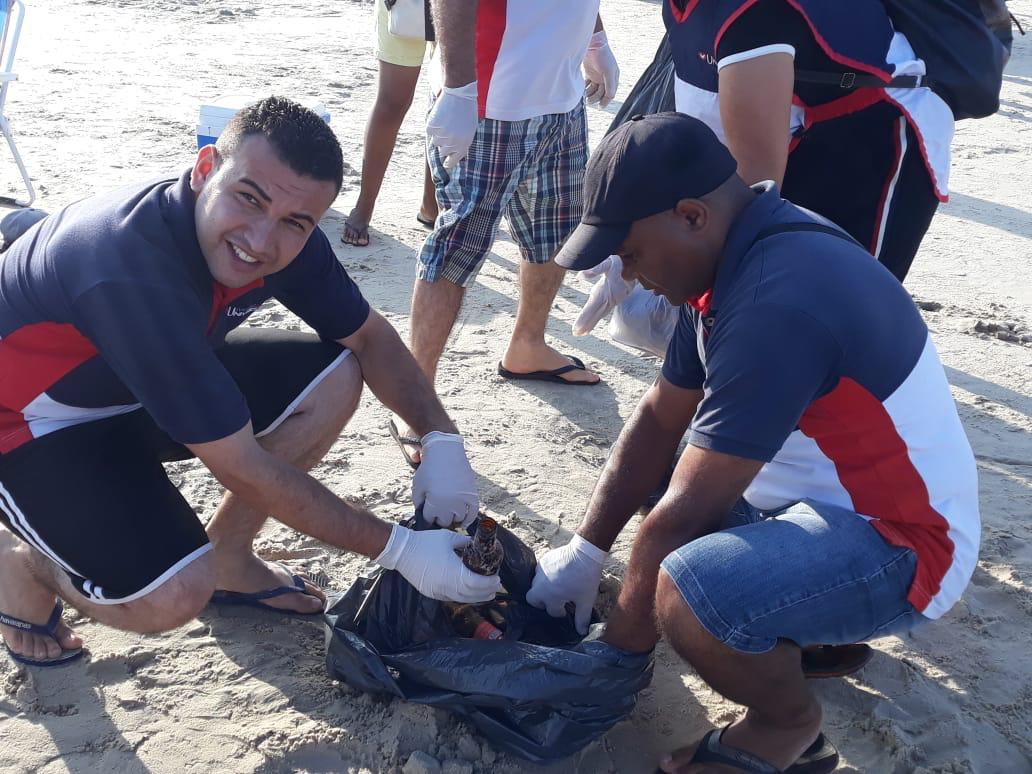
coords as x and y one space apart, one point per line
271 485
755 108
395 378
639 460
705 487
455 23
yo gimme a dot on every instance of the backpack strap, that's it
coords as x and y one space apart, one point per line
850 80
782 228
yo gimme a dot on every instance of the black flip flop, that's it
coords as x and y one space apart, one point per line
821 757
824 661
555 376
426 222
256 599
404 441
50 630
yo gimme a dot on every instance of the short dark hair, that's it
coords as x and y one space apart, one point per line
302 140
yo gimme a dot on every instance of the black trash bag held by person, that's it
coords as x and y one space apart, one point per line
540 692
653 92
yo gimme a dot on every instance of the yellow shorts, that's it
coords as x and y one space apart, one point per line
405 52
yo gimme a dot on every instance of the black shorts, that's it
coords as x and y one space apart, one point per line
95 498
865 172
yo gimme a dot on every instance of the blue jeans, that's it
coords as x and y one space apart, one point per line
811 573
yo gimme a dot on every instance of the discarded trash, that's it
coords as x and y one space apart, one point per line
538 691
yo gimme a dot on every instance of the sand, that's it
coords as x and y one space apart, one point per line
108 95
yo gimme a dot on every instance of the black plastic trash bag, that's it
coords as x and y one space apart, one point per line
539 692
654 90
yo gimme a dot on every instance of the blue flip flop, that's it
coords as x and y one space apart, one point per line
256 598
819 758
49 629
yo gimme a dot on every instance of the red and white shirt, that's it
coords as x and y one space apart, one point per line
845 402
528 55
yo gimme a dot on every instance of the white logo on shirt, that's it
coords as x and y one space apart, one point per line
232 311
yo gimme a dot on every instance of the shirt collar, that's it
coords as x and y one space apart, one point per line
178 212
741 236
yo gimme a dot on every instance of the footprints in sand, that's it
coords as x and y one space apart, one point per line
993 322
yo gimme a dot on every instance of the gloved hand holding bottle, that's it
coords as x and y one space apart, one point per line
428 560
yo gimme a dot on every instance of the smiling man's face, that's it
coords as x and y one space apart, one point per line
254 213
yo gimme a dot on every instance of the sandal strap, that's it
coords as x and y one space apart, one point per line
712 750
49 628
299 586
576 365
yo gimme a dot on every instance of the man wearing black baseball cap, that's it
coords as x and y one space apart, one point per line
827 494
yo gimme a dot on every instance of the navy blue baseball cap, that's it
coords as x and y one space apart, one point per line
643 167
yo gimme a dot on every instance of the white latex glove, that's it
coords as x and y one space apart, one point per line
452 122
601 72
570 573
610 289
445 484
428 561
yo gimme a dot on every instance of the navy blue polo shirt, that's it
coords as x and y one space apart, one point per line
108 305
813 359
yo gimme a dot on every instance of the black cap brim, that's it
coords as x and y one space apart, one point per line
589 245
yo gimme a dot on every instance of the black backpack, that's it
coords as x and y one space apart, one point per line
963 55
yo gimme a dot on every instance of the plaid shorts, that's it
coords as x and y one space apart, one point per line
531 171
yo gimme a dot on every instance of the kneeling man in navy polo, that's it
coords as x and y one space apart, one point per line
120 350
827 495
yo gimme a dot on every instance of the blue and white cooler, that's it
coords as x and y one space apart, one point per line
216 114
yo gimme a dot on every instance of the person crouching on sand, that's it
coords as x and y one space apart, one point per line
827 494
120 350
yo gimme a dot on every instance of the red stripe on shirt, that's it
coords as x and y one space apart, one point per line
731 20
32 359
885 75
854 430
490 30
921 145
679 15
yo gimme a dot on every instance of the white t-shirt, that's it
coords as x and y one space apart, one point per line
529 55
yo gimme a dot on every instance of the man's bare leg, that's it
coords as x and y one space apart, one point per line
527 351
783 718
435 308
30 584
303 439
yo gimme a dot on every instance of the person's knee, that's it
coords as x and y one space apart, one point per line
391 108
344 386
336 396
677 620
176 601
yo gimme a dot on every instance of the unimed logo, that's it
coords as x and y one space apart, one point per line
232 311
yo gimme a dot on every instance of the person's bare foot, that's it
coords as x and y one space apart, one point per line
780 745
244 572
426 217
523 358
23 596
356 229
